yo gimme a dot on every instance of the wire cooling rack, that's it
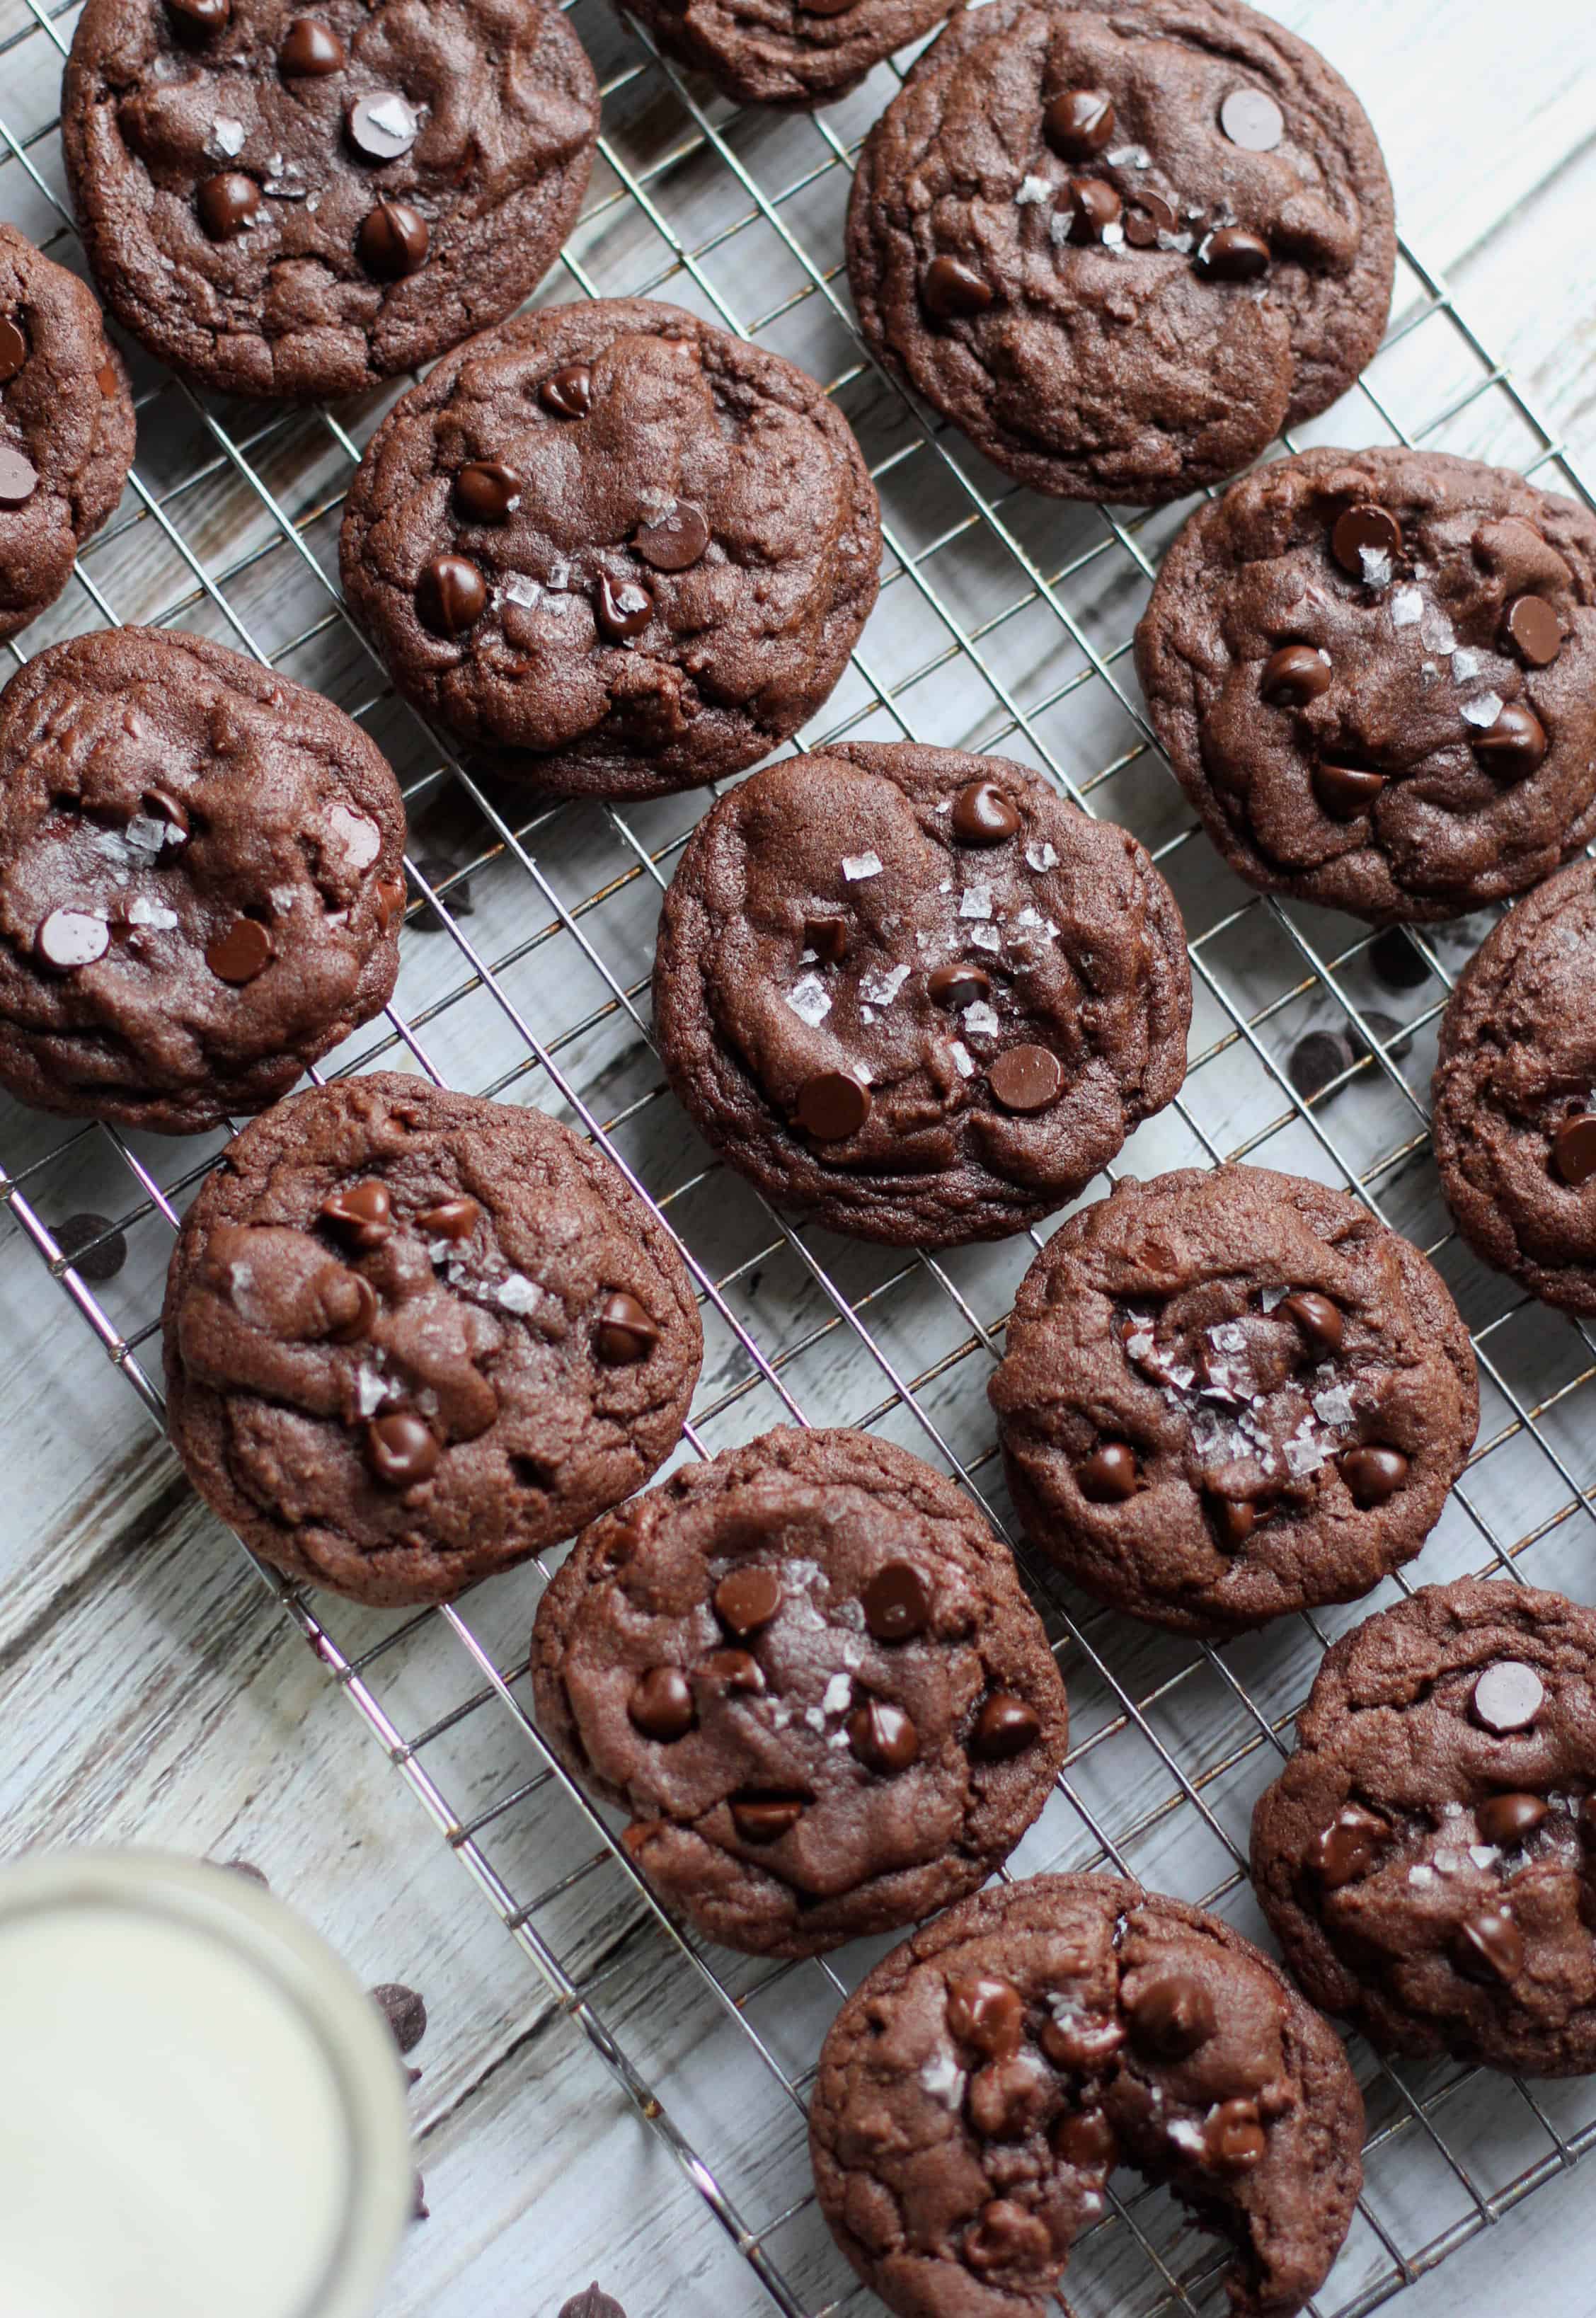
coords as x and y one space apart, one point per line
1004 623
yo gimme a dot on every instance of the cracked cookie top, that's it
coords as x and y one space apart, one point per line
809 1674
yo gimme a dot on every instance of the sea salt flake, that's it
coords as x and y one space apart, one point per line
880 989
1407 608
1041 856
440 1251
987 937
1228 1337
1128 157
1032 190
1420 1875
143 912
516 1293
963 1061
945 885
371 1391
1484 1855
1181 242
1482 711
942 2076
1140 1343
810 1000
1028 916
1377 566
1113 235
980 1019
1305 1452
518 588
1447 1862
838 1695
1429 673
1436 631
1060 225
976 902
228 136
815 1718
1466 665
1273 1296
1334 1405
146 834
857 865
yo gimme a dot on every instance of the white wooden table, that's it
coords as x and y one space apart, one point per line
152 1689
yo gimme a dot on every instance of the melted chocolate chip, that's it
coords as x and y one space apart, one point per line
1086 2139
1108 1475
1573 1149
1507 1697
1079 123
402 1449
1251 117
1094 206
1146 217
1507 1819
625 1334
675 540
199 16
987 2013
983 816
1234 2138
1515 744
452 1219
310 50
1235 1521
624 608
882 1738
951 289
382 127
1344 791
1531 627
1172 2016
1025 1078
958 986
487 492
1083 2045
1007 2098
392 242
70 939
1234 254
734 1673
746 1599
450 596
241 953
765 1819
568 393
1004 1727
1372 1474
390 904
227 202
662 1704
362 1214
896 1605
1364 530
1490 1946
827 937
14 350
832 1106
1345 1850
1294 674
1316 1318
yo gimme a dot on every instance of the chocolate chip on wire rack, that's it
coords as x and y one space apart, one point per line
96 1252
1393 961
1316 1062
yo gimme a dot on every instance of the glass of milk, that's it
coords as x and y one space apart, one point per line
201 2111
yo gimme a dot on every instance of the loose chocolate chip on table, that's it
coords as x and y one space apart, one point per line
454 1219
1507 1819
1235 2138
95 1252
1573 1150
1320 1321
1515 744
1490 1946
1234 254
1004 1727
1364 531
662 1704
1393 961
765 1819
227 202
392 242
958 986
487 492
951 288
1251 117
14 350
983 816
1025 1078
1085 2138
1372 1474
19 477
623 606
987 2013
896 1605
625 1334
746 1599
362 1214
310 50
1095 205
827 937
1344 791
406 2013
241 953
69 938
402 1449
883 1737
1108 1475
1170 2016
1294 674
675 540
1235 1519
591 2304
568 393
1317 1060
734 1673
199 15
1507 1697
382 128
1350 1846
832 1106
451 595
1079 123
1530 625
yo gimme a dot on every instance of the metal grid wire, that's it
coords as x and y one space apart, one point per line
1004 623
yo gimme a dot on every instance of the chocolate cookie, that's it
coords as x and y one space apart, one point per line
1122 247
809 1674
297 205
67 427
201 880
915 993
1227 1393
789 52
1375 674
978 2089
615 550
1428 1857
1515 1093
413 1337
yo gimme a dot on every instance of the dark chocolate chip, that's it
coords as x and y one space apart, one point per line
1317 1060
1395 962
1146 217
675 540
1573 1149
1235 1521
451 595
765 1819
951 288
14 350
896 1605
160 805
1086 2139
19 477
883 1737
1490 1946
240 953
402 1449
95 1252
1507 1819
1512 747
1079 123
746 1599
383 126
1319 1320
227 202
1507 1697
1172 2016
624 608
452 1220
1531 627
362 1214
1025 1078
832 1106
406 2013
1108 1476
662 1704
625 1332
390 904
1007 2098
987 2013
310 50
827 937
199 16
734 1673
1004 1727
958 986
487 492
1083 2045
392 242
1294 674
1344 791
69 938
1361 531
1372 1474
1233 255
1251 117
568 393
983 816
1094 205
1345 1850
1233 2137
591 2304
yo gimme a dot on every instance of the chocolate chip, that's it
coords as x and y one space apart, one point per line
451 595
1350 1846
1507 1819
1233 1519
310 50
1531 627
1395 962
406 2013
1234 254
1372 1475
982 814
734 1673
952 288
625 1334
1573 1149
441 873
487 492
1108 1475
227 202
452 1220
351 1306
402 1449
1515 744
987 2013
1146 217
392 242
199 16
746 1599
832 1106
662 1704
383 127
1172 2016
1086 2139
160 805
591 2304
1004 1727
827 937
1362 531
95 1252
69 938
1007 2098
1294 674
765 1819
1490 1946
1507 1697
1233 2139
675 540
1079 123
568 393
881 1737
390 904
1025 1078
1344 791
1007 2236
241 953
1251 117
896 1605
13 350
361 1214
958 986
1319 1320
1386 1028
1083 2045
19 477
624 608
1317 1060
1094 205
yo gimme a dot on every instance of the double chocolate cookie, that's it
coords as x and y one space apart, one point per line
1121 248
1515 1093
613 550
978 2089
788 52
201 880
1428 1857
67 427
1374 675
915 993
300 205
808 1672
412 1337
1227 1393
